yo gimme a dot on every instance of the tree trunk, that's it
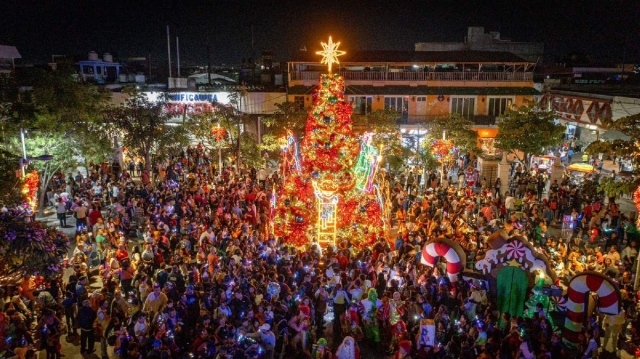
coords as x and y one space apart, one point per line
147 162
44 183
238 152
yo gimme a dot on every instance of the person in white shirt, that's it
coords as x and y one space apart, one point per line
207 238
509 204
356 290
115 191
140 328
612 327
268 338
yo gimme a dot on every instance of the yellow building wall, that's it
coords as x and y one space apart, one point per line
432 107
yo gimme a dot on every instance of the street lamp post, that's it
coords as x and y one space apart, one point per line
24 150
444 138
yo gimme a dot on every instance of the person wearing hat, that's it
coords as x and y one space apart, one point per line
268 338
86 318
404 350
320 350
300 324
348 349
369 311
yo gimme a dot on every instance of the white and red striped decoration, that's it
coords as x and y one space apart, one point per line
441 248
580 285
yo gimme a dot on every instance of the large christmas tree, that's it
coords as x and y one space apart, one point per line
319 201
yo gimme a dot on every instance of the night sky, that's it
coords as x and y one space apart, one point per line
127 28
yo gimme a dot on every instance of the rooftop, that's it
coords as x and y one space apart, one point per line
9 52
412 57
632 91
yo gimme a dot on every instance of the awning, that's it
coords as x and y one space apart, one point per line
612 135
581 167
9 52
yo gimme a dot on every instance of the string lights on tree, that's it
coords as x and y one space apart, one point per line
320 202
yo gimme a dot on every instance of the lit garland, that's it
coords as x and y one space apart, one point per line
30 189
636 201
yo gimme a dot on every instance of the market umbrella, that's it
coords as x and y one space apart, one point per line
581 167
612 135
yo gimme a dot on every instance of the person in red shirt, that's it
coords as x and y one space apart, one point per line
122 253
343 261
94 215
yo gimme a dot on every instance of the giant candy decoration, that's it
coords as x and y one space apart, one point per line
450 251
580 288
513 251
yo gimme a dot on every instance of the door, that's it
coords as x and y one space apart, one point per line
512 290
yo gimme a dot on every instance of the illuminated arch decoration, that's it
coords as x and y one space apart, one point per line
451 251
579 288
289 158
366 165
515 251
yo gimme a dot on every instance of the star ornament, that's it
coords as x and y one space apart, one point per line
330 53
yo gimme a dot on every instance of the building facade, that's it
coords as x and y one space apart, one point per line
421 86
584 109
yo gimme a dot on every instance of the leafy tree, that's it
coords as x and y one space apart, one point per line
29 247
9 182
143 126
288 117
383 125
234 122
59 113
528 130
458 130
630 126
614 189
64 157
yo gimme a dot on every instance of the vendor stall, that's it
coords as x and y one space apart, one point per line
542 163
577 172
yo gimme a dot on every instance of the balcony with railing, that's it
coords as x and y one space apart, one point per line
374 76
425 120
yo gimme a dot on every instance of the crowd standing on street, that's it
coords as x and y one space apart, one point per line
188 267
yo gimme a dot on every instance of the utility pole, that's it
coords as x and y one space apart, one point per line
178 53
169 49
209 64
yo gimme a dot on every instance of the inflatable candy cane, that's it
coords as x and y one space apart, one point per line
579 288
450 251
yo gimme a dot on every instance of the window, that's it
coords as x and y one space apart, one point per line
361 105
498 105
421 98
400 104
299 101
465 106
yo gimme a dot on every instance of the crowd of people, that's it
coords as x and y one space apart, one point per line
187 267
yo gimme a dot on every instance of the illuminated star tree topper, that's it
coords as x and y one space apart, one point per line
330 53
